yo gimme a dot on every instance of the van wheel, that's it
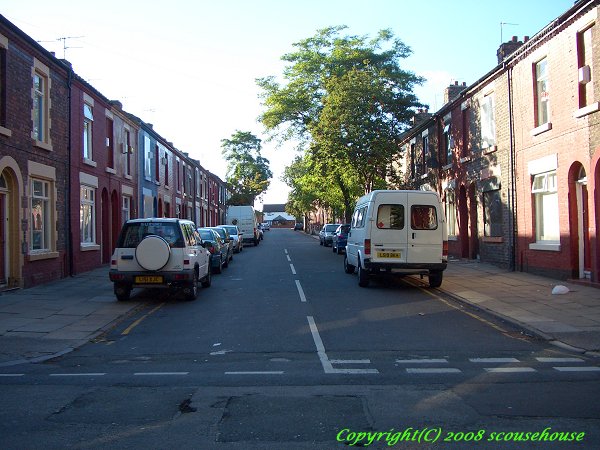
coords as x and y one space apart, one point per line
191 290
333 248
363 277
348 268
435 278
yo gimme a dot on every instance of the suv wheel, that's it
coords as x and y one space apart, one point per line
435 278
207 280
191 290
122 292
219 269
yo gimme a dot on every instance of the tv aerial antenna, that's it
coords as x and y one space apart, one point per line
64 43
501 27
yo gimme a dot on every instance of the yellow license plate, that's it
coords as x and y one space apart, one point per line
148 279
388 254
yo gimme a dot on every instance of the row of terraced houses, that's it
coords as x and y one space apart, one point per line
516 155
74 166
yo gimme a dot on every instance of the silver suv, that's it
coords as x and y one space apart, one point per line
159 253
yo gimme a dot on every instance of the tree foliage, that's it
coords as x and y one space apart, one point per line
346 100
248 173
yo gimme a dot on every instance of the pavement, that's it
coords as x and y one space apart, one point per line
53 319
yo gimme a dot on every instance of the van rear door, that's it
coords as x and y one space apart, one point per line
389 228
425 228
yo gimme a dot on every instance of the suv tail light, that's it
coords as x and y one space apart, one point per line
367 246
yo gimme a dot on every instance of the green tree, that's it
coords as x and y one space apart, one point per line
248 173
346 100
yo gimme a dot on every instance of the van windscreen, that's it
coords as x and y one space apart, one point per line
390 217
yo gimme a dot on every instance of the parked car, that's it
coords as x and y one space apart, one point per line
340 238
214 244
326 233
400 232
159 253
261 233
236 235
227 243
266 226
298 226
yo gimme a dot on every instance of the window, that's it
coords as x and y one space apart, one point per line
544 190
40 117
3 49
466 137
413 160
147 159
127 152
426 156
126 208
88 215
584 62
488 122
88 120
451 212
492 213
542 95
166 161
423 217
40 215
359 217
447 142
110 148
156 163
390 217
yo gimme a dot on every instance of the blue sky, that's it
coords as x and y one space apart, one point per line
189 67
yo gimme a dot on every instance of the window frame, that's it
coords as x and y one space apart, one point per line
45 231
542 96
89 205
88 131
544 185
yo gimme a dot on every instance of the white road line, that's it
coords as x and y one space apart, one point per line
274 372
423 361
509 369
77 374
578 369
433 370
11 374
350 361
293 269
559 360
159 373
325 361
285 250
300 291
288 258
494 360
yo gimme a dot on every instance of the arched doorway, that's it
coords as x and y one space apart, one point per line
579 222
473 229
4 226
116 219
11 258
463 222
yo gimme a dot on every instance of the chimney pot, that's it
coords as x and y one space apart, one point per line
525 38
515 38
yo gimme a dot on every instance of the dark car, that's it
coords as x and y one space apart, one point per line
326 233
227 242
298 226
214 244
340 238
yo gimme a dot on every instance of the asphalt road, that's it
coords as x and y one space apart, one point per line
284 350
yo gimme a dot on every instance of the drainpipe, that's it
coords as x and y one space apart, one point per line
69 180
512 172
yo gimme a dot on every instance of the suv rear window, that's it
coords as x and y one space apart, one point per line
133 233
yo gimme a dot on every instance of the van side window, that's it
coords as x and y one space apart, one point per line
423 217
390 217
359 217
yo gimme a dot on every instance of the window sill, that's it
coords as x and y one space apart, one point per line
42 255
128 177
493 239
594 107
541 129
465 159
453 238
89 247
447 166
111 170
43 145
548 247
492 149
89 162
5 131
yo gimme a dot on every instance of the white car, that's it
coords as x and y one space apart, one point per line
236 235
159 253
266 226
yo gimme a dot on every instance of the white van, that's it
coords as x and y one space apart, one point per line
398 232
245 219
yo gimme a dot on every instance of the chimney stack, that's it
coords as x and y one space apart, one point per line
453 91
509 47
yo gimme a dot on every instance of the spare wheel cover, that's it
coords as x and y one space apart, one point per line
153 253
